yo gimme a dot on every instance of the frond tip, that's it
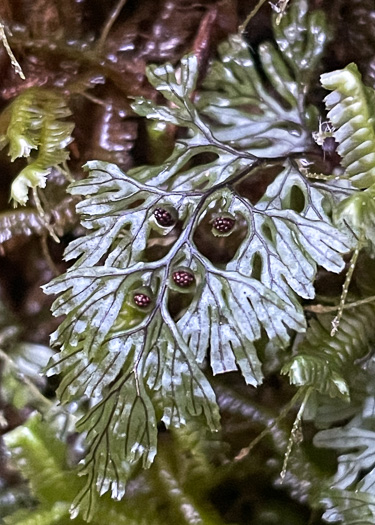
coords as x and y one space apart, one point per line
351 111
34 121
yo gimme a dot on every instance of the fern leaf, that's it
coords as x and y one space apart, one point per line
360 445
126 412
200 140
235 308
350 498
107 338
23 121
352 115
34 121
265 128
235 108
350 109
276 232
178 89
241 108
301 37
118 213
121 429
325 362
349 508
119 230
358 212
357 438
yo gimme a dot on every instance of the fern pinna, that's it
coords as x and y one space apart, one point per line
35 120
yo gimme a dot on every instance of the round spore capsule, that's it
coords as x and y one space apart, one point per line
223 224
141 300
164 217
183 278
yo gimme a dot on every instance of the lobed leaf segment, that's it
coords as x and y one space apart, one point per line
351 111
123 343
325 362
35 120
349 498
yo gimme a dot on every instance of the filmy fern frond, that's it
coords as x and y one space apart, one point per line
350 498
241 108
235 115
156 353
326 362
122 343
35 121
301 37
349 508
351 112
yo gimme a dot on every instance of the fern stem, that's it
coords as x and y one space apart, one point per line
47 255
242 27
42 214
294 432
321 176
322 309
345 289
245 451
13 60
109 23
280 9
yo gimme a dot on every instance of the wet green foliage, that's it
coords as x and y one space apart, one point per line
188 291
150 367
34 121
325 362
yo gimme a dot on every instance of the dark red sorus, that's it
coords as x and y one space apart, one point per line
223 224
183 278
164 217
142 300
